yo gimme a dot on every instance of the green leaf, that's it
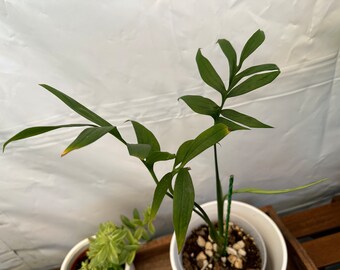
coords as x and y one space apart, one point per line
139 150
230 53
125 220
159 156
252 44
145 136
279 191
160 191
231 125
182 151
183 203
82 110
209 74
201 105
253 83
205 140
34 131
253 70
86 137
243 119
136 214
139 232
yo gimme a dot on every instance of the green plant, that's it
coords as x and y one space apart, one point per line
115 245
148 150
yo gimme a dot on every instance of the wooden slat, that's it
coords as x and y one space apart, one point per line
324 251
297 255
314 220
154 255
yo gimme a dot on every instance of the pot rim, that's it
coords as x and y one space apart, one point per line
79 248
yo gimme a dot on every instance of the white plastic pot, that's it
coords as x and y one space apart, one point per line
78 250
275 245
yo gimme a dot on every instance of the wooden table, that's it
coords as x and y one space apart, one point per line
312 237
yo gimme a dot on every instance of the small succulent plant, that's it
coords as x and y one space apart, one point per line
114 246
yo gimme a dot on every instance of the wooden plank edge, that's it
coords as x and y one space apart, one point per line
301 224
325 250
295 249
155 246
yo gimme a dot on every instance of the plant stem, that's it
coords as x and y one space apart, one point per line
230 193
219 195
197 209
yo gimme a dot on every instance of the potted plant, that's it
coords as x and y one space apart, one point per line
113 247
177 183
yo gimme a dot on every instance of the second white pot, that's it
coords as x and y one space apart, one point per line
77 251
276 249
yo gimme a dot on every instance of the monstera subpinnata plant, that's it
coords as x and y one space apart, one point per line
177 183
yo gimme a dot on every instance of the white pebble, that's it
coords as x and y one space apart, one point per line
210 266
209 252
201 256
232 259
231 251
200 241
215 247
210 239
238 245
242 252
224 259
205 264
208 245
238 263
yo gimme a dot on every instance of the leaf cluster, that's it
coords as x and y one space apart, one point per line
113 246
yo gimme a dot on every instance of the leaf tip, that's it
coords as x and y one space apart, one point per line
65 152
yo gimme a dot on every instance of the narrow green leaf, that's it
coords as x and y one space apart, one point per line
145 136
131 247
201 105
253 83
279 191
243 119
34 131
151 228
209 74
232 126
160 191
205 140
139 150
138 233
182 151
82 110
252 44
253 70
183 203
86 137
159 156
230 53
125 220
136 214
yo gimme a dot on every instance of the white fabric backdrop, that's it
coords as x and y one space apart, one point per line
132 60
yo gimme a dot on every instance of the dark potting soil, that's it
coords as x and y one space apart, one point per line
81 258
252 260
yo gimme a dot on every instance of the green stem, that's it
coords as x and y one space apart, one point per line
219 195
198 209
230 193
